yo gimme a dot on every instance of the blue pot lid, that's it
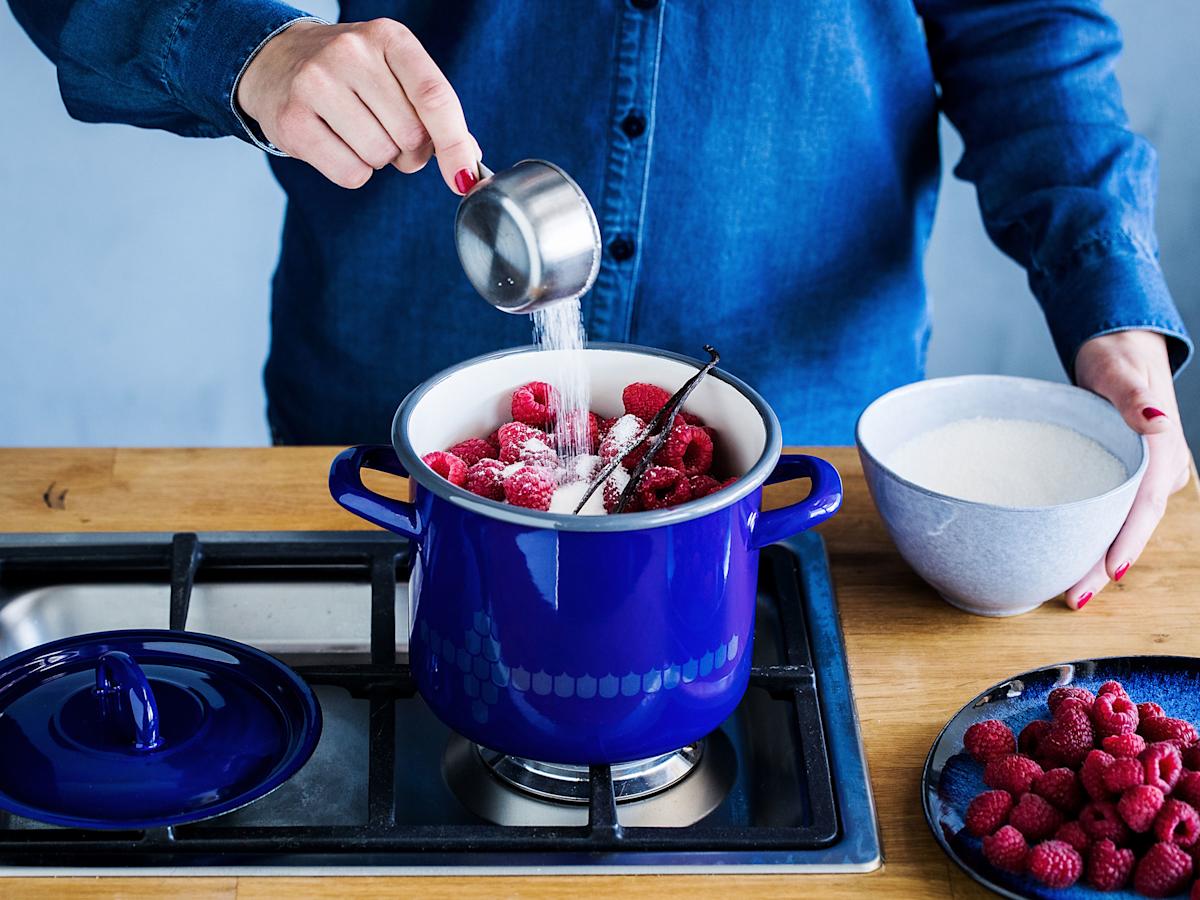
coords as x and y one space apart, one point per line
147 728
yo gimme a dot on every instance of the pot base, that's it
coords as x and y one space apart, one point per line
673 789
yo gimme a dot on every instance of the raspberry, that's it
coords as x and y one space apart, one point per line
1012 773
1163 765
1071 736
620 439
1100 819
449 466
1072 833
1060 787
1164 870
1112 687
494 439
486 478
1164 728
1059 694
1006 849
1124 745
662 488
1033 738
521 443
606 426
1114 714
1149 711
1035 818
1139 805
644 400
1055 864
1187 788
688 448
614 485
1123 774
530 487
472 450
1091 775
987 812
703 485
534 404
592 438
1108 868
1195 894
989 739
1191 758
1177 823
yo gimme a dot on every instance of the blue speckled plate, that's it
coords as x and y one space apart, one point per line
951 778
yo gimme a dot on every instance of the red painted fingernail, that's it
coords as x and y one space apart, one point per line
1083 599
464 180
1151 413
1117 575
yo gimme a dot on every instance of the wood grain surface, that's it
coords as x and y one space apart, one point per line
914 660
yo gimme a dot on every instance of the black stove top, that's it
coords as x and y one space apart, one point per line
781 786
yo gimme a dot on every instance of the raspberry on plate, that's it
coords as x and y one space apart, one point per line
1100 819
1071 736
1059 694
1124 745
1149 711
1031 741
1163 765
644 400
449 466
1013 773
989 739
1072 833
688 448
1177 823
534 404
1123 774
1060 787
531 487
1035 818
1114 714
987 812
1055 864
1112 687
472 450
1191 758
1091 775
1164 728
1139 806
1108 867
1006 849
661 488
1187 788
1163 870
486 478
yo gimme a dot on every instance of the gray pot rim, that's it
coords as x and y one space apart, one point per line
1131 481
636 521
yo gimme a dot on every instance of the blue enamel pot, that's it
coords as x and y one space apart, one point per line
582 639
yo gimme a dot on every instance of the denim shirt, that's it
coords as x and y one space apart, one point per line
764 173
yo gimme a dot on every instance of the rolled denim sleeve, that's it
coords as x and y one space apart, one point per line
169 64
1065 188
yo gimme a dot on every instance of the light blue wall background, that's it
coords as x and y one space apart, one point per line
135 265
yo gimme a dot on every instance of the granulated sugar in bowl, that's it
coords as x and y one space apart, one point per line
1001 492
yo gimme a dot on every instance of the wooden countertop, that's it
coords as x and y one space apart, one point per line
914 660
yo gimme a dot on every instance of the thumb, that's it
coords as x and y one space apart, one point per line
1139 406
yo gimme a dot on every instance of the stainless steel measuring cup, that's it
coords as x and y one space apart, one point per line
527 237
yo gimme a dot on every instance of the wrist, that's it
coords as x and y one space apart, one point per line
264 68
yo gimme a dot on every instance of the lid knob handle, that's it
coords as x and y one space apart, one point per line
124 691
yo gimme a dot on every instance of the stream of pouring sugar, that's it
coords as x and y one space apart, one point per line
559 326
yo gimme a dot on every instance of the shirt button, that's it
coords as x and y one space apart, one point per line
621 249
643 4
634 125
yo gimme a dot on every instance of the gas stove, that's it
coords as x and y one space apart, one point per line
781 786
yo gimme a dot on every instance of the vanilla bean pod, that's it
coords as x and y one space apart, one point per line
673 406
667 413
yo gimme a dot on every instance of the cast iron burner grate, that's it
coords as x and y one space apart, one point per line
782 810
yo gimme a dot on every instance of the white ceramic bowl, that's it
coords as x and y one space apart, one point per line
987 559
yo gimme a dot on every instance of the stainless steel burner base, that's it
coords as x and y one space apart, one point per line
671 790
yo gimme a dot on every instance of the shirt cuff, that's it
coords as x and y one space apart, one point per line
212 44
1113 286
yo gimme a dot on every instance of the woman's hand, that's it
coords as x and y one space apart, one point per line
1131 370
350 99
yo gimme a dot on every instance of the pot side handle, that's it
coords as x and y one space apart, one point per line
822 501
345 484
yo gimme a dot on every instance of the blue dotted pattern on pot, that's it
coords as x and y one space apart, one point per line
478 656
